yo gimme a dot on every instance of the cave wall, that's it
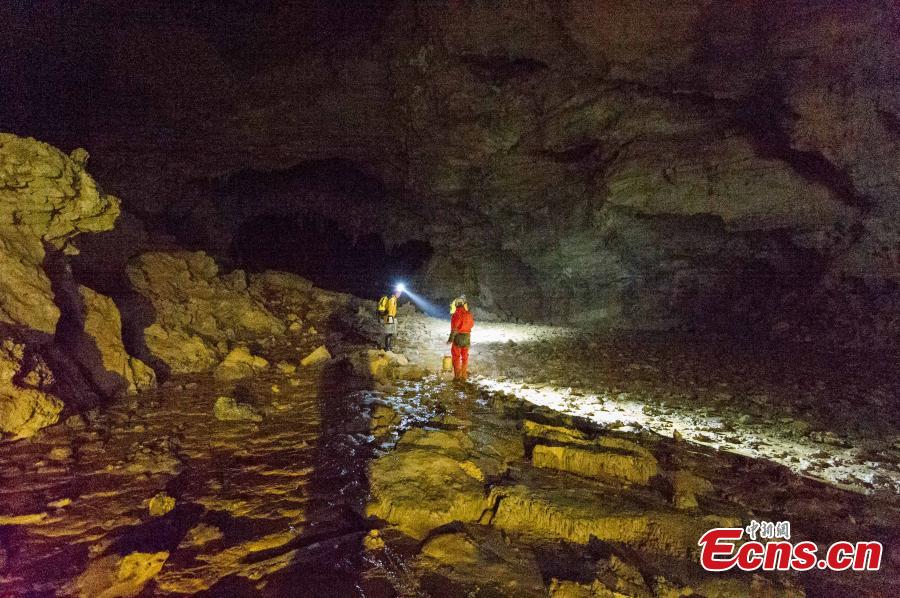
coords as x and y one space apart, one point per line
629 163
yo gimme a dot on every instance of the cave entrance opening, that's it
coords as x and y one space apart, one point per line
315 247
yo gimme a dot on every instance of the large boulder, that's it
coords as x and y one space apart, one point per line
46 198
71 332
239 363
318 355
434 477
179 350
418 489
196 310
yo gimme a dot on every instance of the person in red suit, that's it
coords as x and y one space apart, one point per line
461 324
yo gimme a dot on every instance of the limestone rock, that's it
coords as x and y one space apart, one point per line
181 351
623 577
319 355
280 283
578 514
729 586
616 578
384 420
161 504
605 458
380 365
195 308
448 441
23 411
26 296
285 367
114 576
434 477
239 363
99 349
60 453
418 490
373 541
559 434
747 192
480 557
571 589
227 409
29 519
411 372
45 197
201 534
685 488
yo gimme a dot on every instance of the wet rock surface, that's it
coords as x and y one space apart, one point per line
417 488
219 492
24 411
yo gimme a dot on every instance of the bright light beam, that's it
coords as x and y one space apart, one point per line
423 304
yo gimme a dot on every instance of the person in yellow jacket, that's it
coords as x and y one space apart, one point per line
389 317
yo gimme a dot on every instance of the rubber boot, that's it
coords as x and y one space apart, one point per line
387 341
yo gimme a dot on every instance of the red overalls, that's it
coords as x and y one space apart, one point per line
461 324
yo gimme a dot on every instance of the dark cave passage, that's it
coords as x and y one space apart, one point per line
315 248
326 177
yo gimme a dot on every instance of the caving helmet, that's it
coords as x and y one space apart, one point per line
461 300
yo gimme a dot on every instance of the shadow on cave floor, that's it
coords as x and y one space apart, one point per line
325 555
278 500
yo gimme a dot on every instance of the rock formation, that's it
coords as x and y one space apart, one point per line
46 198
196 312
103 327
59 340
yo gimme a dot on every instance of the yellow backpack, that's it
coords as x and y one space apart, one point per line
383 305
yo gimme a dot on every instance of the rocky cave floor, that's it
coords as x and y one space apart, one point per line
569 466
